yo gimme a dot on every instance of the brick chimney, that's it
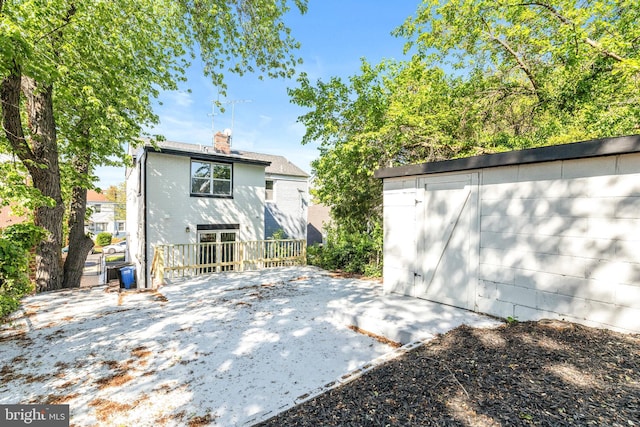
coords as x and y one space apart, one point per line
222 143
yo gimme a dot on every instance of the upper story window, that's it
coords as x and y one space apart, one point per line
268 190
210 178
97 208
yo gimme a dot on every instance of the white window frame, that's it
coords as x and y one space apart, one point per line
273 191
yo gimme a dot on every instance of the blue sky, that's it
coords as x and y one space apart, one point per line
334 36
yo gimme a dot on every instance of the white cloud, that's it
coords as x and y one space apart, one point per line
180 98
264 120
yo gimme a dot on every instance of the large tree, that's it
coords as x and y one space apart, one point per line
77 81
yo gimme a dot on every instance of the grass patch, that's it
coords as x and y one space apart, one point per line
114 258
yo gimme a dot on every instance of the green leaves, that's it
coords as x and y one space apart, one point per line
104 62
487 76
16 245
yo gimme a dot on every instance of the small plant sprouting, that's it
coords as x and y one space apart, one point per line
512 320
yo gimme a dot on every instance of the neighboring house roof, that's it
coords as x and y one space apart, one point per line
95 197
274 164
279 164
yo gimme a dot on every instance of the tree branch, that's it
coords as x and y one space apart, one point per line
11 120
567 21
65 21
521 64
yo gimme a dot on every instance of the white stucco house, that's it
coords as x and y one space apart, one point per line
185 193
551 232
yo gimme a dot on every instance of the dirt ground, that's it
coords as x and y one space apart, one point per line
545 373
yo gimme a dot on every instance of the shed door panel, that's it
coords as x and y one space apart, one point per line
442 261
399 240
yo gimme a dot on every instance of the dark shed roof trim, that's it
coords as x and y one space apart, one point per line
575 150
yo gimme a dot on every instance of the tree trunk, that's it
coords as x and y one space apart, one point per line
79 243
45 173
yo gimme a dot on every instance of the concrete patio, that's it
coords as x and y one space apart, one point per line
229 349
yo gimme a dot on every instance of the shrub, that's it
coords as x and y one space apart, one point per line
16 244
351 252
279 234
103 239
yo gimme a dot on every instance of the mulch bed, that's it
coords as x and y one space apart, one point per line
546 373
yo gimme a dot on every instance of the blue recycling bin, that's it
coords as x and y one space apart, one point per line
128 275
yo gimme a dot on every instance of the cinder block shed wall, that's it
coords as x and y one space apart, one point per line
553 239
562 240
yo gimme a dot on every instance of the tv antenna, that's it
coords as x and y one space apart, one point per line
232 102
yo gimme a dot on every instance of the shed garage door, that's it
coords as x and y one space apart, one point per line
446 239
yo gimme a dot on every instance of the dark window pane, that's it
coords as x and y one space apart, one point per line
201 186
222 188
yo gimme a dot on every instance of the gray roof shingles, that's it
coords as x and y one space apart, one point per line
279 164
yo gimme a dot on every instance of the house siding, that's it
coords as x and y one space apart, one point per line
555 239
170 208
288 210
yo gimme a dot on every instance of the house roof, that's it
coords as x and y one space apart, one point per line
576 150
94 197
273 164
279 164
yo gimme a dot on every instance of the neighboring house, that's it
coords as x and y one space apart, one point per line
184 193
286 196
319 217
103 215
7 217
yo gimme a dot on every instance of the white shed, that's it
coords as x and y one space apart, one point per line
550 232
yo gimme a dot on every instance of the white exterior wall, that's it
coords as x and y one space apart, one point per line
171 209
135 217
288 210
561 240
556 240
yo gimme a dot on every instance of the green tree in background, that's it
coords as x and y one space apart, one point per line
118 195
77 80
485 76
546 72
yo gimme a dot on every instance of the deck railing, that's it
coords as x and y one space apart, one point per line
193 259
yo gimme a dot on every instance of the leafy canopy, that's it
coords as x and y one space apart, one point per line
485 76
